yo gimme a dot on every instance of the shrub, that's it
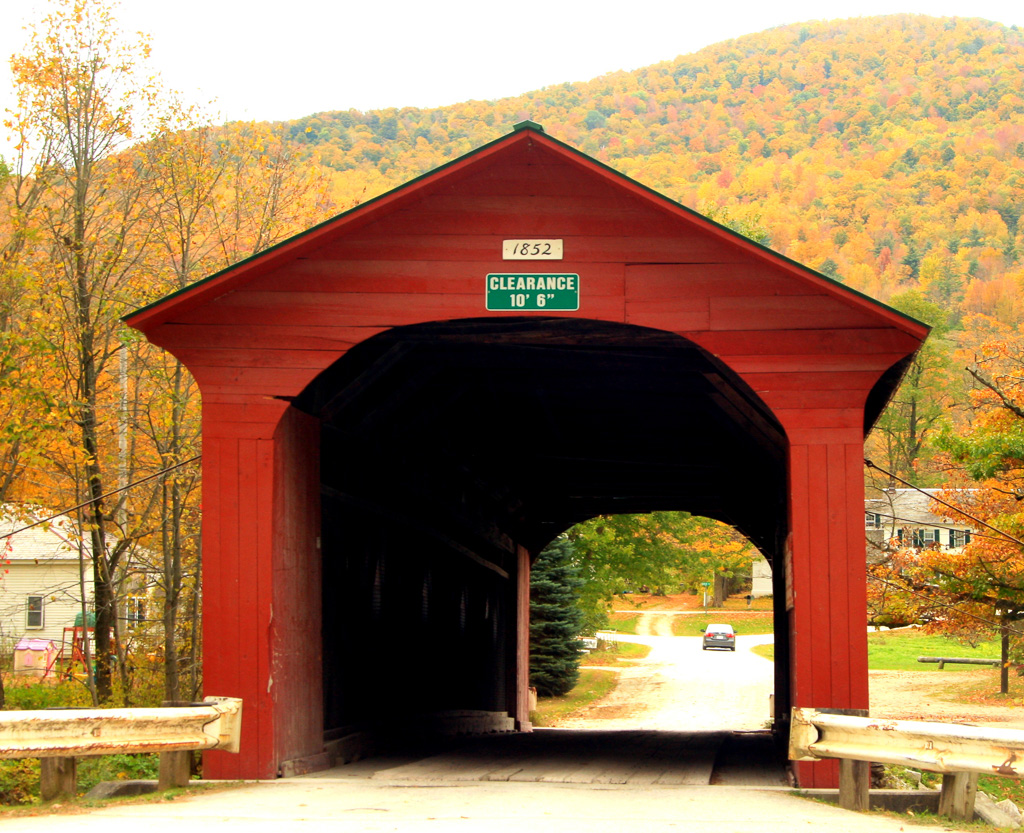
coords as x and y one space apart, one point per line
97 768
45 695
19 781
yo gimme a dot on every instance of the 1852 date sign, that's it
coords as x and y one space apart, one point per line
532 249
549 291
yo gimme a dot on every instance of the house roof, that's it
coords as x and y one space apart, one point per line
911 506
26 535
225 281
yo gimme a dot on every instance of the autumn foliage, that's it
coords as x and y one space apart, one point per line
978 591
116 194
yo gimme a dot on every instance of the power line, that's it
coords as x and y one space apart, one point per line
966 514
71 509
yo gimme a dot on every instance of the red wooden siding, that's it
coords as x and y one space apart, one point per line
827 633
427 261
238 475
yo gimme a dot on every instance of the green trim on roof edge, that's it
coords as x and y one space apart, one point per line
522 127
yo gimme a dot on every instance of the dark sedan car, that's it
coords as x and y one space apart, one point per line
719 636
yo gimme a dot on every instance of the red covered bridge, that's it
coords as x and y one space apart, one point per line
403 405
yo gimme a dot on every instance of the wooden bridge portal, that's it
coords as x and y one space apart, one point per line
403 405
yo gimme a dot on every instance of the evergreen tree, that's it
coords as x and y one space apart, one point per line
555 620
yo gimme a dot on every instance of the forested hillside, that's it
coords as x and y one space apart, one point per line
885 151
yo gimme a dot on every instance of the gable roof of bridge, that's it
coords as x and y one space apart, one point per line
237 275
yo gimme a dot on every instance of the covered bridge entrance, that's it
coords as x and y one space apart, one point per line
403 405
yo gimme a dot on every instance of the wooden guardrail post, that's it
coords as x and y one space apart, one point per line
854 776
959 789
175 767
58 778
854 783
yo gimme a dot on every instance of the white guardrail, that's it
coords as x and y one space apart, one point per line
58 736
961 753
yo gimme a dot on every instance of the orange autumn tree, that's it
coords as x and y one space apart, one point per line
128 205
81 92
25 407
890 598
978 591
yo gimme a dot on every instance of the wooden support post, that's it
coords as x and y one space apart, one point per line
175 769
959 790
58 778
522 625
854 782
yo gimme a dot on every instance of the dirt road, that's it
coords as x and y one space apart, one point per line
933 695
654 624
682 688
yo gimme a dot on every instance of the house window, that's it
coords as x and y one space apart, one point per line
135 611
872 520
34 617
959 538
926 537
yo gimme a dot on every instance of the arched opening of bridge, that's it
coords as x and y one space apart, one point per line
448 449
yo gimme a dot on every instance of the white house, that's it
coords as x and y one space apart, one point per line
41 586
761 578
905 516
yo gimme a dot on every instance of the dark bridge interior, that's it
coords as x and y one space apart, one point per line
573 756
445 445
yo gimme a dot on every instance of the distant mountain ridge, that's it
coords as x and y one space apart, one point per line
887 152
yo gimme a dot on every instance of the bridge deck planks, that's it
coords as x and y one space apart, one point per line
597 757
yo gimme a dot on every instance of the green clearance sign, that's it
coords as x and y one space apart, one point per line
549 291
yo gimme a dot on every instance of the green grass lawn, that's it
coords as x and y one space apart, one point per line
744 622
898 651
694 624
594 684
623 621
615 653
740 603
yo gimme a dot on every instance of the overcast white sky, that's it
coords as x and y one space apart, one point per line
267 61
